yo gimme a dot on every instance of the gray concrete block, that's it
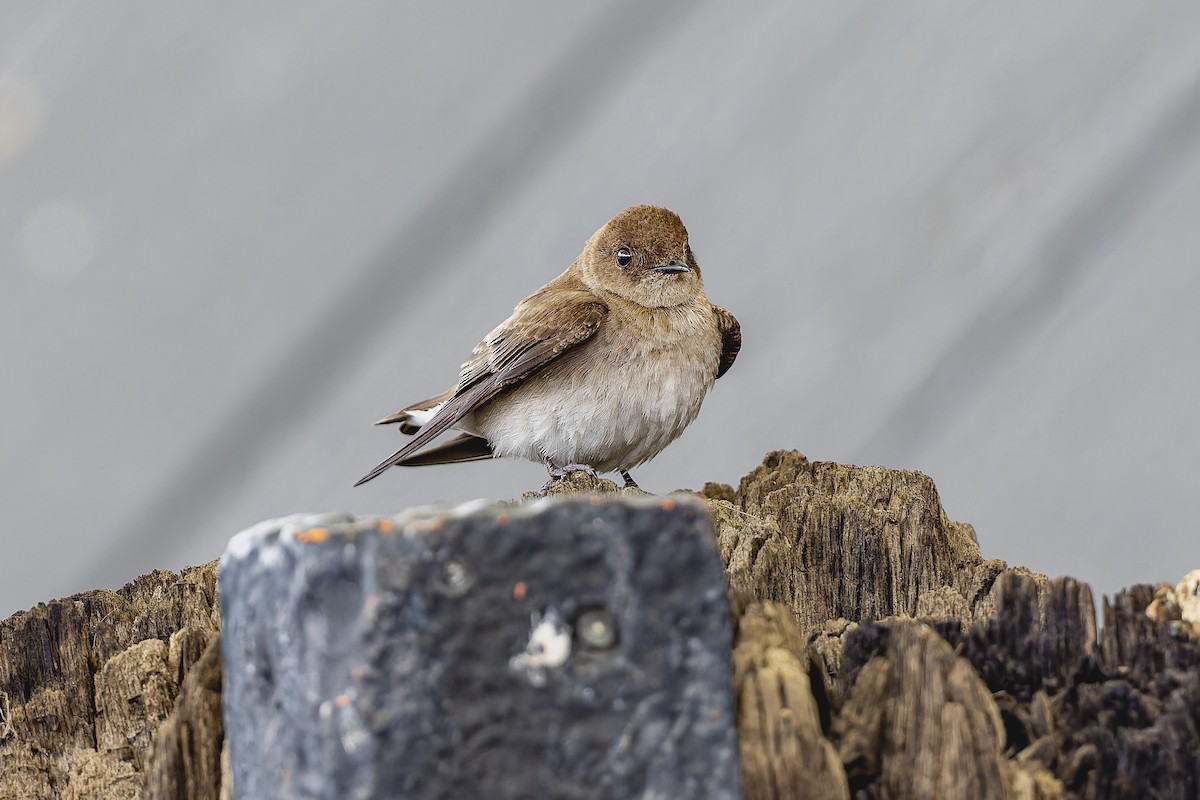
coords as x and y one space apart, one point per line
574 648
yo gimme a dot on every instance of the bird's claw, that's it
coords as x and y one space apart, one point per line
561 473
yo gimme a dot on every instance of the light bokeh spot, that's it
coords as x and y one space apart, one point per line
21 113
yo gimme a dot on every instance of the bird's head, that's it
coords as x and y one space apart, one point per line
642 254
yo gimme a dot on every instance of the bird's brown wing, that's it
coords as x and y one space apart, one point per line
545 325
731 338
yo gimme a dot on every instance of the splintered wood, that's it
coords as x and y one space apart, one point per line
89 682
935 673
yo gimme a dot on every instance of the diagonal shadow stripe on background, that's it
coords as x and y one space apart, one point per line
1006 326
554 110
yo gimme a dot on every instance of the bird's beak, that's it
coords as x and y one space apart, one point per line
675 266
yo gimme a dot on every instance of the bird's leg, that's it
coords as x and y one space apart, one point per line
551 469
630 483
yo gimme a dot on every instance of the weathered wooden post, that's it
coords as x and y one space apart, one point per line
583 649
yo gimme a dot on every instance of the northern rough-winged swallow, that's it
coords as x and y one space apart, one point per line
600 369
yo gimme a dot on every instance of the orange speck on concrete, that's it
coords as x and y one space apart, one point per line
667 505
501 519
313 535
341 701
519 590
386 525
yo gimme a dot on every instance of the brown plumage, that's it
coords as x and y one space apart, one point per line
601 368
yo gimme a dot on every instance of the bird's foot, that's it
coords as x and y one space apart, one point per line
569 468
630 483
560 473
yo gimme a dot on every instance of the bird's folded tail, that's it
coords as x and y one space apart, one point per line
448 414
466 447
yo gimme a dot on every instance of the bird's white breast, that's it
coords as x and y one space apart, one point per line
615 403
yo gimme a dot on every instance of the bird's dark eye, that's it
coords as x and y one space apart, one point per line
624 257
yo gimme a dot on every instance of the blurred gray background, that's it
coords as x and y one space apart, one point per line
960 238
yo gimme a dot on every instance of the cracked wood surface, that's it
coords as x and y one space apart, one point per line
87 681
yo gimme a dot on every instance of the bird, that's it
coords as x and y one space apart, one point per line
597 371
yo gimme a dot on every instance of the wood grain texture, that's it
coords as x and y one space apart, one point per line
831 540
185 758
784 749
87 682
935 672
